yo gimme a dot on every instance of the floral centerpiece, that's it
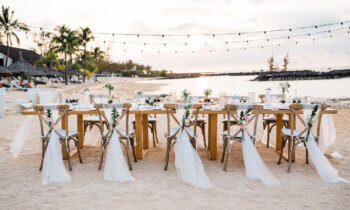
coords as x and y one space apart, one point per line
244 119
311 121
110 87
285 89
138 95
185 95
207 93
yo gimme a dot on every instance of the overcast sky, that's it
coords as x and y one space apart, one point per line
202 16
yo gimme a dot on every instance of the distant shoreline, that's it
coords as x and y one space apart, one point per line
270 75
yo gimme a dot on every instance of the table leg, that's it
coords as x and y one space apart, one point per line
80 128
138 133
279 126
63 127
145 131
212 136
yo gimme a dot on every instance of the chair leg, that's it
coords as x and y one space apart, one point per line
153 136
223 151
282 148
133 149
101 157
203 134
78 149
307 156
126 147
68 152
155 131
291 147
268 135
226 156
42 155
167 153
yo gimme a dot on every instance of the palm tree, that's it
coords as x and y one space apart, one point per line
66 43
8 26
85 36
98 54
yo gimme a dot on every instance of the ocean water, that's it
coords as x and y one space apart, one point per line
241 85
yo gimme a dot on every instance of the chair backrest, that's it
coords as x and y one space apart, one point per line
232 112
125 107
93 98
297 110
42 109
171 108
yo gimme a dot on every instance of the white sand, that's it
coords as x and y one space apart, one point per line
154 188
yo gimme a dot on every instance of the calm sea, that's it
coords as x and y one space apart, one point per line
241 85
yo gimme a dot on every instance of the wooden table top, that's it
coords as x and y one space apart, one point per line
163 111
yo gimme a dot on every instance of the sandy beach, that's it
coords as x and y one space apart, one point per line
154 188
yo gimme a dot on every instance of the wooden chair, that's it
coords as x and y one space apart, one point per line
124 134
64 135
228 139
270 121
172 132
94 120
152 122
232 120
294 136
201 121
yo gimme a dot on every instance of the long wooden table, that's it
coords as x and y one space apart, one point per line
141 127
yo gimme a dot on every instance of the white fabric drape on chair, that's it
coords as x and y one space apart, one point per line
54 169
116 169
324 168
187 161
254 166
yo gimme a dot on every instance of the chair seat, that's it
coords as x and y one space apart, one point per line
122 131
239 135
63 132
173 130
93 118
287 132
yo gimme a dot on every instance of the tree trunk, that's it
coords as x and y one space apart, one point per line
8 51
84 64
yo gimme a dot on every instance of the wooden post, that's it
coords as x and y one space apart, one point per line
138 133
80 128
212 136
145 131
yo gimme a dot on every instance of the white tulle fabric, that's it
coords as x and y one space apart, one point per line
116 169
54 169
328 133
324 168
255 167
21 136
187 161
